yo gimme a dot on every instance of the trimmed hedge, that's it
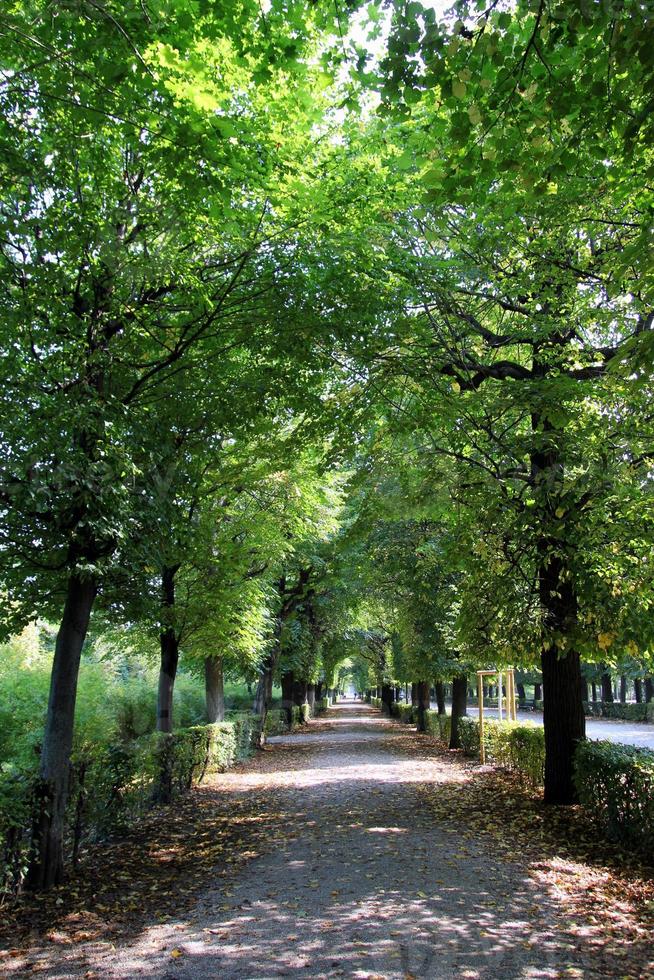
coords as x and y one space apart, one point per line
112 786
376 703
321 706
513 745
615 783
439 726
624 712
403 712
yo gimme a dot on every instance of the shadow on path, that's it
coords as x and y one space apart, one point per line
364 851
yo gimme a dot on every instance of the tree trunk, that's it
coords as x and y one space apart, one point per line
649 690
423 705
414 694
607 687
311 696
638 690
594 690
459 708
623 689
440 697
169 645
288 684
167 674
319 690
522 694
387 697
538 692
214 689
47 863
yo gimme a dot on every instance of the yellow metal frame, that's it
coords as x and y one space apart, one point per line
511 707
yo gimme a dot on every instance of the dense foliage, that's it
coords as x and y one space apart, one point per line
326 340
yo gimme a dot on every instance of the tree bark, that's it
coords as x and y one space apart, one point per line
169 645
607 687
649 690
288 683
423 705
459 708
594 690
311 696
522 695
214 689
623 689
47 864
440 697
638 690
414 693
538 692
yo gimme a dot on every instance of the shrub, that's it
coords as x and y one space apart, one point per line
376 703
438 725
615 709
276 721
321 706
616 784
512 745
403 711
112 785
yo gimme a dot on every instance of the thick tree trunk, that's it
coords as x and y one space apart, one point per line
214 689
299 693
594 690
522 695
607 687
423 705
288 685
47 864
414 694
459 708
649 690
638 690
319 690
167 674
623 689
169 645
538 692
311 696
440 697
387 698
564 721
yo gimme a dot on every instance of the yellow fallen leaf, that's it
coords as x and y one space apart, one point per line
176 953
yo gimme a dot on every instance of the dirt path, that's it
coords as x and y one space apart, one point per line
365 852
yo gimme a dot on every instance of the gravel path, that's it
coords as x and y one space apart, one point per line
361 873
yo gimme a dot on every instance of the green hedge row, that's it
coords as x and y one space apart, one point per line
111 786
403 711
616 783
321 706
615 709
376 703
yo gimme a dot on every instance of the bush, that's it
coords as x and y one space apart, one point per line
376 703
516 746
616 784
321 706
438 725
112 785
402 711
276 721
615 709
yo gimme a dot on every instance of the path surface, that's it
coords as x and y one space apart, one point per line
366 852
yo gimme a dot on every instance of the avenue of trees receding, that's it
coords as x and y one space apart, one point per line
327 334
